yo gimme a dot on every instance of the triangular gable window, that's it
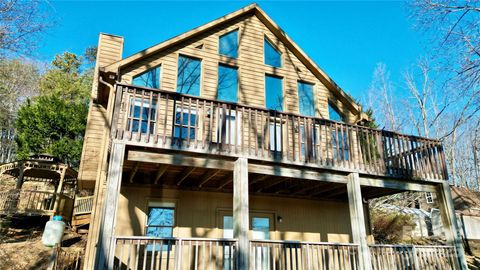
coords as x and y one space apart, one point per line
272 56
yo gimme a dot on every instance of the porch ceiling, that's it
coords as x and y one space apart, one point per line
217 180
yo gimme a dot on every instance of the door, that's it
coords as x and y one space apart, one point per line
261 226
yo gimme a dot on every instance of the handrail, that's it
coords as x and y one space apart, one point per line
173 93
158 118
303 242
144 252
83 205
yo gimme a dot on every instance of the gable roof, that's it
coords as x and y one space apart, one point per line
272 26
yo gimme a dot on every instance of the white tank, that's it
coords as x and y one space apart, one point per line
53 232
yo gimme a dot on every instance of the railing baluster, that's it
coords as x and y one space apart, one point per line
276 135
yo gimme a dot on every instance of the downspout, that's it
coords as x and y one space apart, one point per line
111 98
102 173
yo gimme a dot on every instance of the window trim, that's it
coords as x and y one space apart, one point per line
266 39
237 29
145 71
201 72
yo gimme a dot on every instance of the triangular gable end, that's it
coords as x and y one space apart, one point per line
252 9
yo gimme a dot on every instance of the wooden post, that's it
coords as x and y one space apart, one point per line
240 211
21 171
449 221
357 219
105 246
58 191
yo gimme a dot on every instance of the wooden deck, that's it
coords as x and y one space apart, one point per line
32 202
167 120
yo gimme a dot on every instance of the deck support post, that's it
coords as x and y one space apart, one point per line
59 192
105 244
357 219
240 212
450 225
21 171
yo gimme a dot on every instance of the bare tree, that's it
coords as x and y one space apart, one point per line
455 30
18 82
21 25
383 101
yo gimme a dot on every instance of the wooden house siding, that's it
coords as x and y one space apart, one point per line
250 64
109 50
198 214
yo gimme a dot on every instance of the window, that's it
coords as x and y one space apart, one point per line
261 228
229 127
160 222
227 83
228 233
306 102
185 123
273 93
272 56
335 115
141 113
340 145
228 44
429 197
189 75
261 231
149 78
275 131
310 145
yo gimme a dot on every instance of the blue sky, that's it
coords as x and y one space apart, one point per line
346 39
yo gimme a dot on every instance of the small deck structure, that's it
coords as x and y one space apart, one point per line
55 193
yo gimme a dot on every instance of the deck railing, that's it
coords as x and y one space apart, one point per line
413 257
137 252
302 255
65 259
27 200
83 205
165 119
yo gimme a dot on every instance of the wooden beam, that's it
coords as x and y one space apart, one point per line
309 187
228 180
325 190
133 172
303 173
259 178
240 212
450 224
107 226
208 176
340 190
398 184
180 160
186 172
357 219
162 168
271 183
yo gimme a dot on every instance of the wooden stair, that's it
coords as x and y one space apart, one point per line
473 262
80 220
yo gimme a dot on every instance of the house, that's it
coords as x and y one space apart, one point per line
228 147
467 209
